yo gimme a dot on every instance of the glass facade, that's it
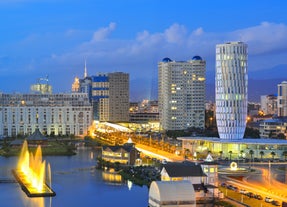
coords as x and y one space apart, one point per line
231 89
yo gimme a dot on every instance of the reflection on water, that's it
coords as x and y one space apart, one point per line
76 182
110 176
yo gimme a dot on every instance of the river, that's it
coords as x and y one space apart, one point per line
77 184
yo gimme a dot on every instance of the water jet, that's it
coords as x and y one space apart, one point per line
31 173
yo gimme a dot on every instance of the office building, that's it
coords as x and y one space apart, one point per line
231 89
282 99
110 97
181 93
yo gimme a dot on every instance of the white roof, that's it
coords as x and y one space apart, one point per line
172 191
260 141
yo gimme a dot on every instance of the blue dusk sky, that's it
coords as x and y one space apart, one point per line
53 37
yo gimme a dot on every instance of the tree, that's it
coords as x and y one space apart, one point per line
186 153
252 133
241 153
230 153
284 154
251 152
273 154
220 154
281 136
261 154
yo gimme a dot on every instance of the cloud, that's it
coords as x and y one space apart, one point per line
64 53
266 37
175 33
102 33
176 42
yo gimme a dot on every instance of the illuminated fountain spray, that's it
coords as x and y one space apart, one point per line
31 173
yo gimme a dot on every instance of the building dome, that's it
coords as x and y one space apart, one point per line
166 60
196 58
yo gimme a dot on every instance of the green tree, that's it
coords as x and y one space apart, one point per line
284 154
251 152
273 154
230 154
261 154
241 153
281 136
220 154
251 133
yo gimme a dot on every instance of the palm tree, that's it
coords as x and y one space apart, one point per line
230 153
251 152
220 154
241 153
284 154
261 154
273 155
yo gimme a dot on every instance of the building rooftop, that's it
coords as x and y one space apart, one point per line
185 169
172 191
260 141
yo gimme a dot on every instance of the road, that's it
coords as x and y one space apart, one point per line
262 181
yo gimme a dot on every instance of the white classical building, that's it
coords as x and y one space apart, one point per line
231 89
52 114
181 93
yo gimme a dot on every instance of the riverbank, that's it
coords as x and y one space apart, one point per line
53 148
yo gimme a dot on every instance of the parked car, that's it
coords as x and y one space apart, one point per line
268 199
258 197
230 187
275 203
223 185
250 194
242 191
235 189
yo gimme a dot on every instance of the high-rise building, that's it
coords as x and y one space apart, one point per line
268 104
181 93
282 99
83 85
110 95
231 89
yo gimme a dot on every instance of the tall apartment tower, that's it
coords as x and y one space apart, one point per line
231 83
181 93
282 99
269 104
110 97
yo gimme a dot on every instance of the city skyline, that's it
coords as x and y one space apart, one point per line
55 37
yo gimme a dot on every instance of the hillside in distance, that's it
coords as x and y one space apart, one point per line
263 82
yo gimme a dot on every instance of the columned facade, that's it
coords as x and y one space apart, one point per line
55 114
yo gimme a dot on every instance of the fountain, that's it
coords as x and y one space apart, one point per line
30 173
233 169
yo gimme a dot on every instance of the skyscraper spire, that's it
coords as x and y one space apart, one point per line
85 73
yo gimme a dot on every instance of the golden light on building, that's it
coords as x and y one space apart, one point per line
76 85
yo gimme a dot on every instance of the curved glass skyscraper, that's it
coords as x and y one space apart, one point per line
231 83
